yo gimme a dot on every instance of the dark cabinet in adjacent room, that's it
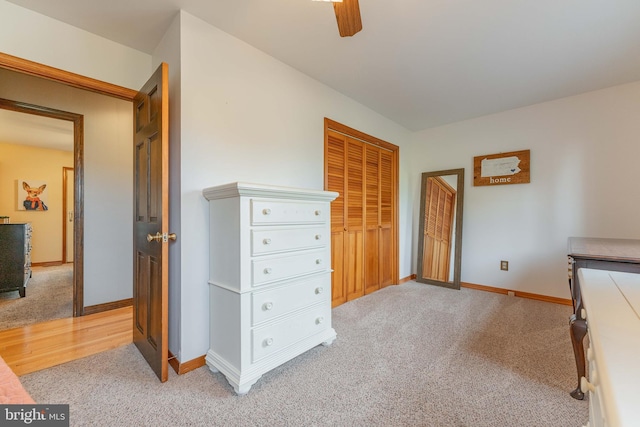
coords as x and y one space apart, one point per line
15 257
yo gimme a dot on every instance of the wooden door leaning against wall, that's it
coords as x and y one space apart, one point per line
364 218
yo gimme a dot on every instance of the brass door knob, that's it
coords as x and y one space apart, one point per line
161 237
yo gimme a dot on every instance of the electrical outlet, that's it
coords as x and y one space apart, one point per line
511 293
504 265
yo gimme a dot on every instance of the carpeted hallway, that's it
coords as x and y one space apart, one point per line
49 296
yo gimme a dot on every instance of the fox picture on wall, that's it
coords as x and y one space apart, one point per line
33 196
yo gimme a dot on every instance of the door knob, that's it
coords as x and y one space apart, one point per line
161 237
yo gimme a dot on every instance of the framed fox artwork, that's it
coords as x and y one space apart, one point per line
32 195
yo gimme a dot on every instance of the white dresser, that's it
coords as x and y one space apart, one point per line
612 309
269 277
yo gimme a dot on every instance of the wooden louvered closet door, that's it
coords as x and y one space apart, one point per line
372 215
378 271
335 175
386 264
354 236
344 175
364 253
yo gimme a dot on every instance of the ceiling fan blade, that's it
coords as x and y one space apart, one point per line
348 17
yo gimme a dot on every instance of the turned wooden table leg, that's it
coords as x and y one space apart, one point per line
577 330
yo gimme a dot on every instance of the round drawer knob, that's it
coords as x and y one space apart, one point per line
266 211
583 314
266 241
319 290
318 261
586 386
267 270
267 306
319 320
318 212
268 342
318 237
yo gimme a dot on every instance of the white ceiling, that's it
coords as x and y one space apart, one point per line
421 63
37 131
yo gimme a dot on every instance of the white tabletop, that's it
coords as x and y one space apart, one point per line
612 303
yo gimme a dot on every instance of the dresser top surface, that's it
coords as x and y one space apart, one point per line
238 189
629 286
626 250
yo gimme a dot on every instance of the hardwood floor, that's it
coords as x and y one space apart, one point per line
47 344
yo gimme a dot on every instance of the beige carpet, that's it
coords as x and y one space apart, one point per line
49 296
409 355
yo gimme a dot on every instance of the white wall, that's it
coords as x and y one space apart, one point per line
42 164
245 116
584 182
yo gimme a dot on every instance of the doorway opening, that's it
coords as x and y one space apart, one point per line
28 68
77 121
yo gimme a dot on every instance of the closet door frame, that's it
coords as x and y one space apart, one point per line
333 126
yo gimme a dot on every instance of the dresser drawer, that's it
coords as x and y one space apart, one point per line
285 267
265 212
282 240
269 304
276 336
596 409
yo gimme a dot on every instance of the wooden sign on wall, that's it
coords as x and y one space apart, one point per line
502 169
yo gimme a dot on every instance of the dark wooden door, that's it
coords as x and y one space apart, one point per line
151 221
